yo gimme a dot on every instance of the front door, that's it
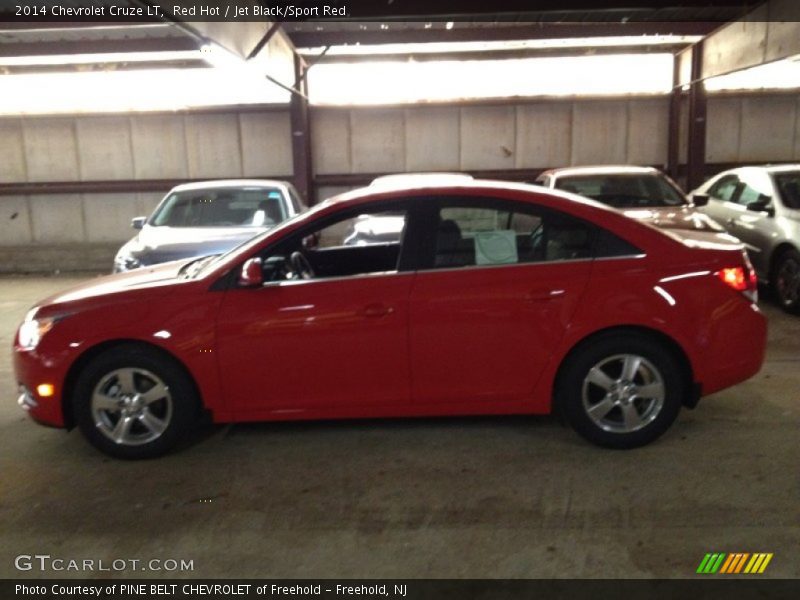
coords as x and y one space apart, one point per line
328 333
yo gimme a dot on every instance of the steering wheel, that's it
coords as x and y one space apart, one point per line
301 266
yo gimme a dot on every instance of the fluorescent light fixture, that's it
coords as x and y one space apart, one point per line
388 82
98 58
132 91
509 45
782 74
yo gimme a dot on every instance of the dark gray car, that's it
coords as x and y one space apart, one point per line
211 217
761 207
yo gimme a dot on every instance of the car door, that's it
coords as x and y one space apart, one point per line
752 219
721 199
496 287
335 342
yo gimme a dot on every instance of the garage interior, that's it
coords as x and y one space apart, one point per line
508 497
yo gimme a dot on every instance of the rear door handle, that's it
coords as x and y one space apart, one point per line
544 295
376 310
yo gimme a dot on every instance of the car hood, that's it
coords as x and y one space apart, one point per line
674 217
160 244
160 277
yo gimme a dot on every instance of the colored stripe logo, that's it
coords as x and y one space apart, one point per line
734 563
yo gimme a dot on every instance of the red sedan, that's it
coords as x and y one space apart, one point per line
496 298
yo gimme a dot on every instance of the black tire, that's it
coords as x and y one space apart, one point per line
169 417
577 394
786 281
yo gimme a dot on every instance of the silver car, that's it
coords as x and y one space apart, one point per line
211 217
642 193
761 207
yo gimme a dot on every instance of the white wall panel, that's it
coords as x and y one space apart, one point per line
648 130
108 217
15 225
266 144
57 218
544 134
159 147
723 129
213 147
600 133
488 137
432 139
51 151
12 151
766 129
104 148
377 140
330 141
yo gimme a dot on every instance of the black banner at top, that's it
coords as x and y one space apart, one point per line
562 11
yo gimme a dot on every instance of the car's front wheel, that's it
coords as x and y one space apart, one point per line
786 281
132 402
621 390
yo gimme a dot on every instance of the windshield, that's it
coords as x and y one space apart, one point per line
222 207
789 186
641 190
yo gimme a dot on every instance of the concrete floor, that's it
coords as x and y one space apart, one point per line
484 497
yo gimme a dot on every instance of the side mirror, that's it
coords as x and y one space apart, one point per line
699 199
251 274
138 222
763 204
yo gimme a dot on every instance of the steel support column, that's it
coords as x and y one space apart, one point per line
697 122
674 127
301 134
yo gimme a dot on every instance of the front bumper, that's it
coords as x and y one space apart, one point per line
31 370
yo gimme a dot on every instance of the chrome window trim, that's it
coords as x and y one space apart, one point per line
293 282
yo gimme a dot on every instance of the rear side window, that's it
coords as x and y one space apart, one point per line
503 233
609 245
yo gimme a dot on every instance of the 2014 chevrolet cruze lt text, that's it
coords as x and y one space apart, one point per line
497 299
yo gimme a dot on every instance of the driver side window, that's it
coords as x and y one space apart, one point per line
359 244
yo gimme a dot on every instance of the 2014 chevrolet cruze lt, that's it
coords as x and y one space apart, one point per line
497 298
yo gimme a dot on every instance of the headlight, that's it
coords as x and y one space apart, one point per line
126 262
32 330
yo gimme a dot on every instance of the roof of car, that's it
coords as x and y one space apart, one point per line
600 170
229 183
446 182
782 168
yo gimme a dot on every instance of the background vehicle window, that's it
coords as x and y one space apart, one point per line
477 236
755 189
624 191
789 187
227 207
725 188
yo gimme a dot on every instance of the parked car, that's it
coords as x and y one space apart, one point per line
210 217
761 207
642 193
497 298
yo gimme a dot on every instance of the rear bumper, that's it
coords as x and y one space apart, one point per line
735 351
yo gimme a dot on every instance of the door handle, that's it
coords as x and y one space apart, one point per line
544 295
376 310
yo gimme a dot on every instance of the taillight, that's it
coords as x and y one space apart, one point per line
741 278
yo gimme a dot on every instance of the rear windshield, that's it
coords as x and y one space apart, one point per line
789 187
624 191
222 207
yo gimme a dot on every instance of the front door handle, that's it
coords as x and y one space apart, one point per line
377 310
544 295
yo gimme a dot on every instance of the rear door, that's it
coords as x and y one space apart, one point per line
497 284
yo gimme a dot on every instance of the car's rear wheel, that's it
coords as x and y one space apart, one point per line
786 281
621 390
132 402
